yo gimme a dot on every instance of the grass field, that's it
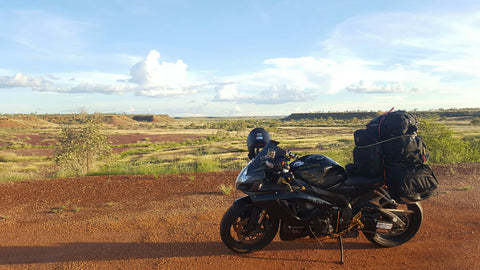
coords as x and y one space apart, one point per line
161 144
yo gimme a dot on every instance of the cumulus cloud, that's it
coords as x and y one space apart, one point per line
148 77
275 94
282 80
226 92
161 79
421 50
380 88
22 80
150 72
377 53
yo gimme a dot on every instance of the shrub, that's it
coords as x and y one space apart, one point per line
80 147
443 147
8 156
207 164
475 121
226 190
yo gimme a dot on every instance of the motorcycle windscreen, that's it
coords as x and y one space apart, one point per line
255 170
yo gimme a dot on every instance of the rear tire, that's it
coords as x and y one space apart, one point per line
239 236
389 239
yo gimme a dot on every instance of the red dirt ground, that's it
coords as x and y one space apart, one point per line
172 222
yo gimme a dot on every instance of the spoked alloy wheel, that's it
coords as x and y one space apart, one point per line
399 235
242 231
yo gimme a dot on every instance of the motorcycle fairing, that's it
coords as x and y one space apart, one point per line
277 204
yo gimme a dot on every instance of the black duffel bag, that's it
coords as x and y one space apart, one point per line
392 124
363 138
407 150
410 183
368 161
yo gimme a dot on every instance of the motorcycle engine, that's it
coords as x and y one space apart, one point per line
321 219
318 221
321 226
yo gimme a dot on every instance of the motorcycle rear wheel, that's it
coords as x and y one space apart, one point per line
238 233
389 239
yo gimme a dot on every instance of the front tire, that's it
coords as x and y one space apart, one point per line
241 232
394 238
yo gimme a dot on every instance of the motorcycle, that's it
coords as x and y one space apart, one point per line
313 197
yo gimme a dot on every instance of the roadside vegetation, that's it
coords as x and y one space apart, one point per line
80 147
49 146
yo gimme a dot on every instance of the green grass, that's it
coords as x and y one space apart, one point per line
8 157
220 144
466 187
57 210
226 190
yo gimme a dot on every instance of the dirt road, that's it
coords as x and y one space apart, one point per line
171 222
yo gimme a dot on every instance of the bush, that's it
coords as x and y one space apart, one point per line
8 156
475 121
206 164
80 147
443 147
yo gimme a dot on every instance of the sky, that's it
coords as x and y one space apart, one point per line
237 58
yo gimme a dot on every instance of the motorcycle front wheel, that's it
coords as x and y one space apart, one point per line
245 229
396 237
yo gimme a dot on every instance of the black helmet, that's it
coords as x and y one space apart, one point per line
257 138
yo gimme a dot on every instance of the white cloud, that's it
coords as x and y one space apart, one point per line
283 80
419 50
157 79
117 89
378 53
165 91
148 78
387 56
149 72
226 92
380 88
21 80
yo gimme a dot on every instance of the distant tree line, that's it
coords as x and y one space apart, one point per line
370 114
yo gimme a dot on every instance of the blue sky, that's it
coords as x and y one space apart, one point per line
237 58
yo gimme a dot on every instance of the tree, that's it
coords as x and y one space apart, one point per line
80 147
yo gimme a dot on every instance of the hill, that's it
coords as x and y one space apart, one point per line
50 120
470 113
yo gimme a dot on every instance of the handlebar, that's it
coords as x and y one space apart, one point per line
292 155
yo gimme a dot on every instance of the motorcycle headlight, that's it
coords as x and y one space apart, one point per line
243 176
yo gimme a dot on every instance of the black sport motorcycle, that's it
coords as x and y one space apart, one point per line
311 196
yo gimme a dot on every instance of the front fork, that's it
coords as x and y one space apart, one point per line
261 217
256 218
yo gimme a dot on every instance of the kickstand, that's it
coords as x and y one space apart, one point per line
340 242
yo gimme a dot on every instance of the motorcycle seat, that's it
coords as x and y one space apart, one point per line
362 180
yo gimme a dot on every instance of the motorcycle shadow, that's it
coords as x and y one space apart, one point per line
110 251
331 244
307 245
107 251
